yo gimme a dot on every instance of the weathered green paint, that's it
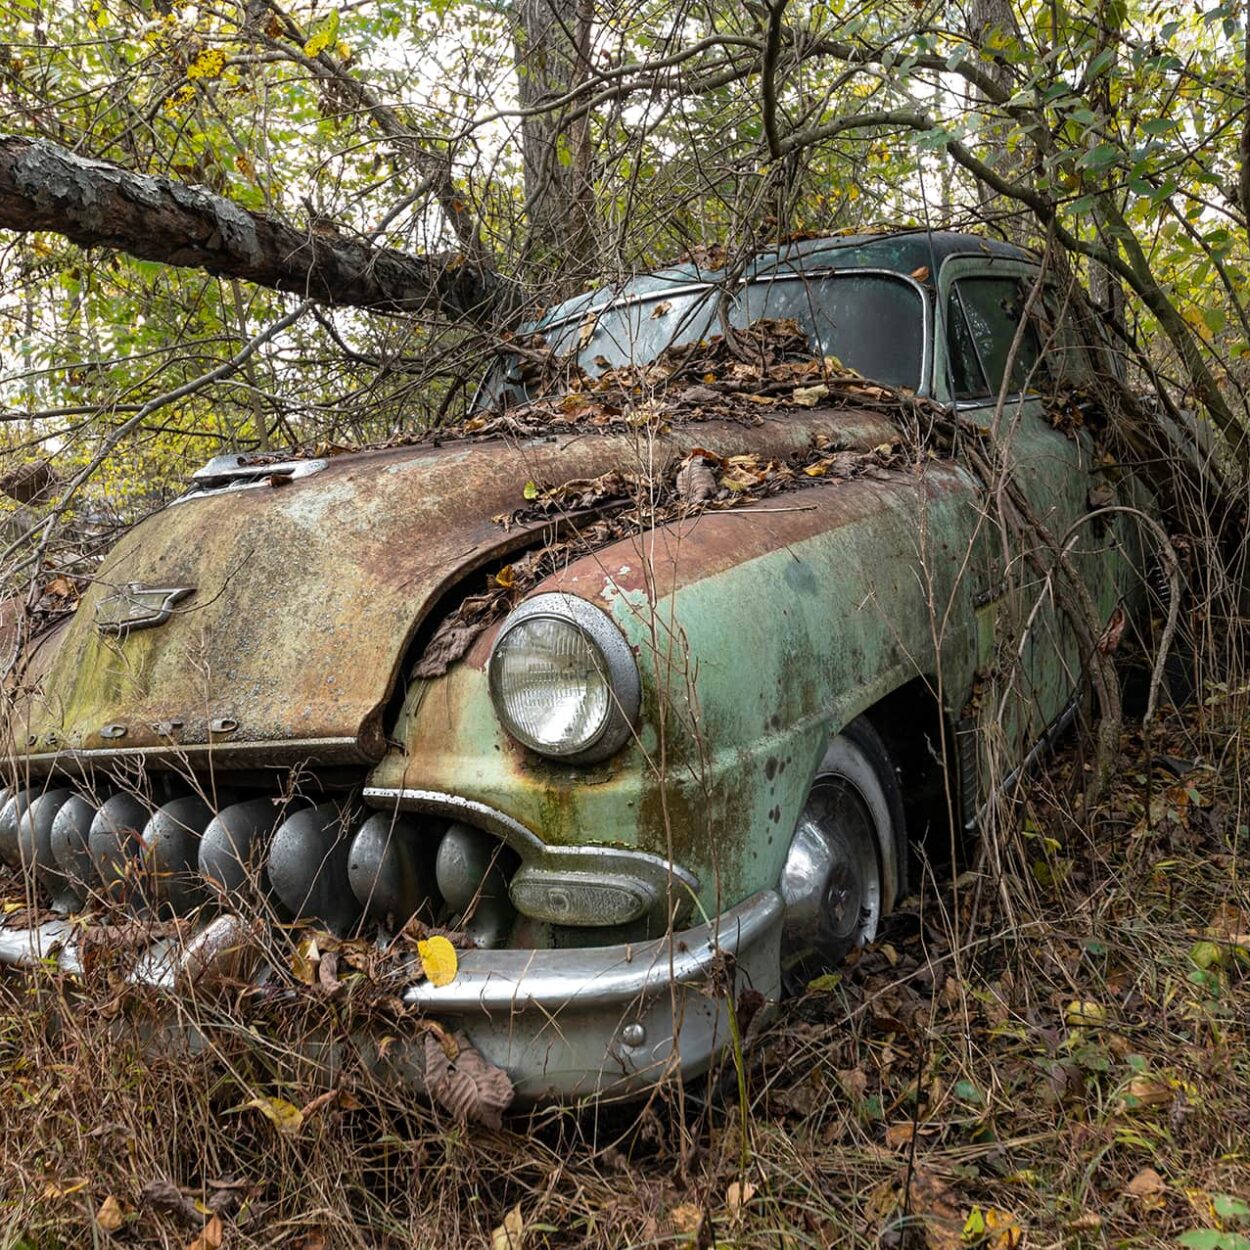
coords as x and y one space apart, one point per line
761 635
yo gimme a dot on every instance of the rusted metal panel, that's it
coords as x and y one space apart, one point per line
759 632
307 594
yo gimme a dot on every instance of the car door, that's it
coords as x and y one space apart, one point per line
1030 657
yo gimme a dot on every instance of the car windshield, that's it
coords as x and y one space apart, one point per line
871 322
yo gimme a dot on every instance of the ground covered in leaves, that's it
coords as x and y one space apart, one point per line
1050 1048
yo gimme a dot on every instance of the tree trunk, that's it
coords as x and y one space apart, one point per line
552 42
95 204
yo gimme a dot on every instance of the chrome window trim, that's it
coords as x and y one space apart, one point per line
806 275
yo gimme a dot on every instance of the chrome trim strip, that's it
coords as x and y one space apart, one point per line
278 753
572 980
654 869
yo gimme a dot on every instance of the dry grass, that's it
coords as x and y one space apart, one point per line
1058 1055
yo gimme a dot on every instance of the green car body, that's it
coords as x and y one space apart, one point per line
759 634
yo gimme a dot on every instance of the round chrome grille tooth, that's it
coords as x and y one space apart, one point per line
234 845
34 839
115 841
171 844
308 866
391 868
471 870
72 852
15 804
465 856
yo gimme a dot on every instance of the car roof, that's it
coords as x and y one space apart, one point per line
899 251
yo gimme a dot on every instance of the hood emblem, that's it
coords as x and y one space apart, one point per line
137 606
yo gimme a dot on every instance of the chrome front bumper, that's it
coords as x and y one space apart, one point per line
564 1024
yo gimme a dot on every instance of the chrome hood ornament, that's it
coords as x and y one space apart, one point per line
137 606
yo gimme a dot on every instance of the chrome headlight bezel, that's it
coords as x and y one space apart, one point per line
618 665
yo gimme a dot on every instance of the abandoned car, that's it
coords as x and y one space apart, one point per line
640 682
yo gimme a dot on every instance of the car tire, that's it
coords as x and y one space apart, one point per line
842 871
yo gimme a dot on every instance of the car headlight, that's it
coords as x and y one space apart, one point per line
563 679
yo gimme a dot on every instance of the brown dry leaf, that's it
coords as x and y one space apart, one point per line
327 972
921 273
510 1235
165 1196
900 1134
854 1081
738 1195
109 1217
686 1218
470 1087
1150 1092
452 639
696 483
210 1236
935 1204
1147 1187
663 307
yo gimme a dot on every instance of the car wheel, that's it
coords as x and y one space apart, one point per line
841 872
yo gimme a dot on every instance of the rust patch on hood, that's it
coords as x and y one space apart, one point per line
306 597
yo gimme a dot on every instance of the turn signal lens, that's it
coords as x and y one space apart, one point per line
579 899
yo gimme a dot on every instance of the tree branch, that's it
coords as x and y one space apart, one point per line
96 204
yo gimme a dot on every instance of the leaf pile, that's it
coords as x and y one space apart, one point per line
766 366
621 503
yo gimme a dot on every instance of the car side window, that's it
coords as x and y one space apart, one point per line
982 318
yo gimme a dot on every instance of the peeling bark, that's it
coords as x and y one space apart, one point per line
97 204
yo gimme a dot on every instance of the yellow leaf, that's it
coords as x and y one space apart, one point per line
304 961
287 1118
438 958
109 1217
1085 1013
208 64
510 1234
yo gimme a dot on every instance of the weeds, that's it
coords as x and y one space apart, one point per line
1079 1075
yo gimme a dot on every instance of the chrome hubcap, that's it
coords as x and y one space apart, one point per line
831 882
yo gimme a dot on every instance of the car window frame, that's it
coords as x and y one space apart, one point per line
815 273
965 265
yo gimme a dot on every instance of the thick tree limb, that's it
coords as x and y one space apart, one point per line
96 204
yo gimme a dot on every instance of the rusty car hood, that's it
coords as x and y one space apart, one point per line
307 596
